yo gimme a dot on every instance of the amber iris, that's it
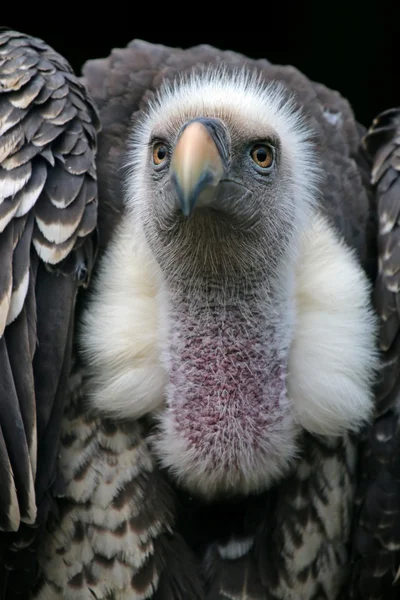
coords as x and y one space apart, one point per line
263 155
159 153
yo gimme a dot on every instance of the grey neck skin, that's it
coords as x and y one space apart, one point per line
226 353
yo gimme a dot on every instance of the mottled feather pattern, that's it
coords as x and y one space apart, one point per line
114 536
296 531
48 131
376 550
48 212
383 146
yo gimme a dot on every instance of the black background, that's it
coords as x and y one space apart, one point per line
352 47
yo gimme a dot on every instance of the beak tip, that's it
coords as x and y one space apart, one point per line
197 163
186 212
186 206
185 203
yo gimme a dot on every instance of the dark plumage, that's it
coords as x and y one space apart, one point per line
377 522
121 526
48 212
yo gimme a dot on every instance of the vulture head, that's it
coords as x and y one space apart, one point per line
224 177
229 308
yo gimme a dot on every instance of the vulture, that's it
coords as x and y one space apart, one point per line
199 331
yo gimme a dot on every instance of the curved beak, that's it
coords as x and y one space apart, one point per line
199 162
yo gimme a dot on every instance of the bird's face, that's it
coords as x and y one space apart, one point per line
222 187
219 189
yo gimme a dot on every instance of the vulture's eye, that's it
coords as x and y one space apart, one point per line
263 155
160 153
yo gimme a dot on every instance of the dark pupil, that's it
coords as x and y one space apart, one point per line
161 153
262 155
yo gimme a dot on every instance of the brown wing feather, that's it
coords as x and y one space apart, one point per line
376 553
48 200
117 506
383 144
284 543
